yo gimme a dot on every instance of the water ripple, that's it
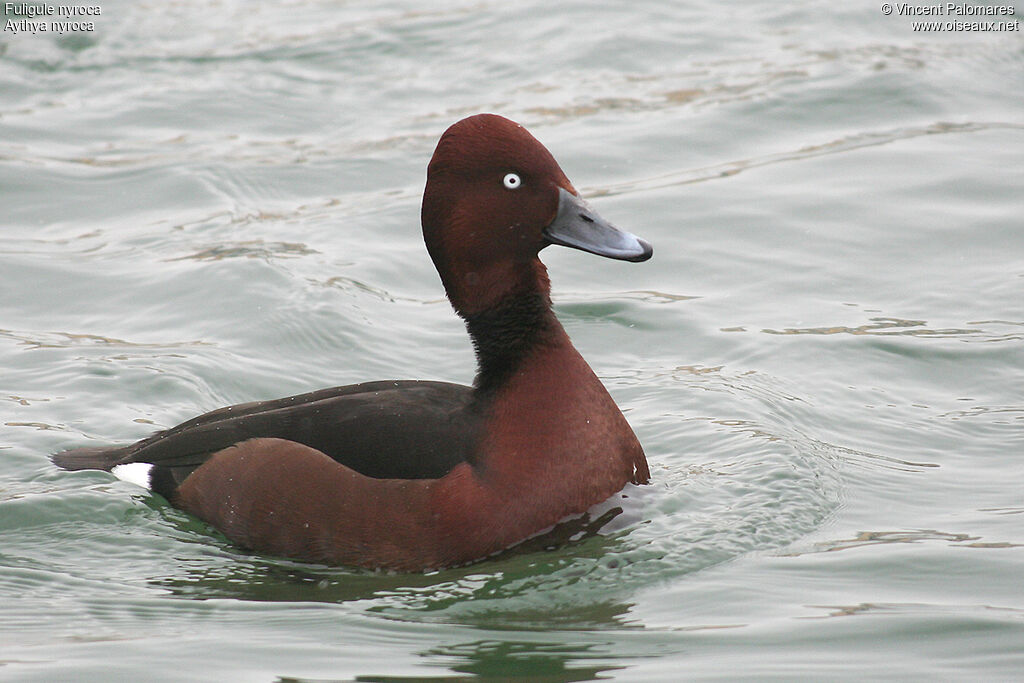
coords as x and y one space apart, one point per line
840 145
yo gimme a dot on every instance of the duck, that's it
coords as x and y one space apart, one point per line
418 475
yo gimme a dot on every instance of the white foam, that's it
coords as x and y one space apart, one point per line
135 472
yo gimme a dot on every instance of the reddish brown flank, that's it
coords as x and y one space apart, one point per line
411 475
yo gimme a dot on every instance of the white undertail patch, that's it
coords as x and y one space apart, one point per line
136 472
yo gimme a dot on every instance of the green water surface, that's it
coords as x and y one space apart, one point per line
210 203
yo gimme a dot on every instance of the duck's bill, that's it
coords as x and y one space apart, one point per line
578 226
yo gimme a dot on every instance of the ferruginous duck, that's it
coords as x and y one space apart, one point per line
416 475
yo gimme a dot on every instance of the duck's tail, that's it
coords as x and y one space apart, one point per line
90 458
162 480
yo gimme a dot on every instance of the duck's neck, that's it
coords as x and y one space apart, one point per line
505 335
506 332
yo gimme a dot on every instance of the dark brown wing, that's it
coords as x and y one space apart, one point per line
388 430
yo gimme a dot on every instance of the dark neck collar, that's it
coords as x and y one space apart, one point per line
504 335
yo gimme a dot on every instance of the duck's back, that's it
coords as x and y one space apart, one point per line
386 430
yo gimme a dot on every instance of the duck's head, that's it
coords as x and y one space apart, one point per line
494 198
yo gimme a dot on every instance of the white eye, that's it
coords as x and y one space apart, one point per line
511 181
